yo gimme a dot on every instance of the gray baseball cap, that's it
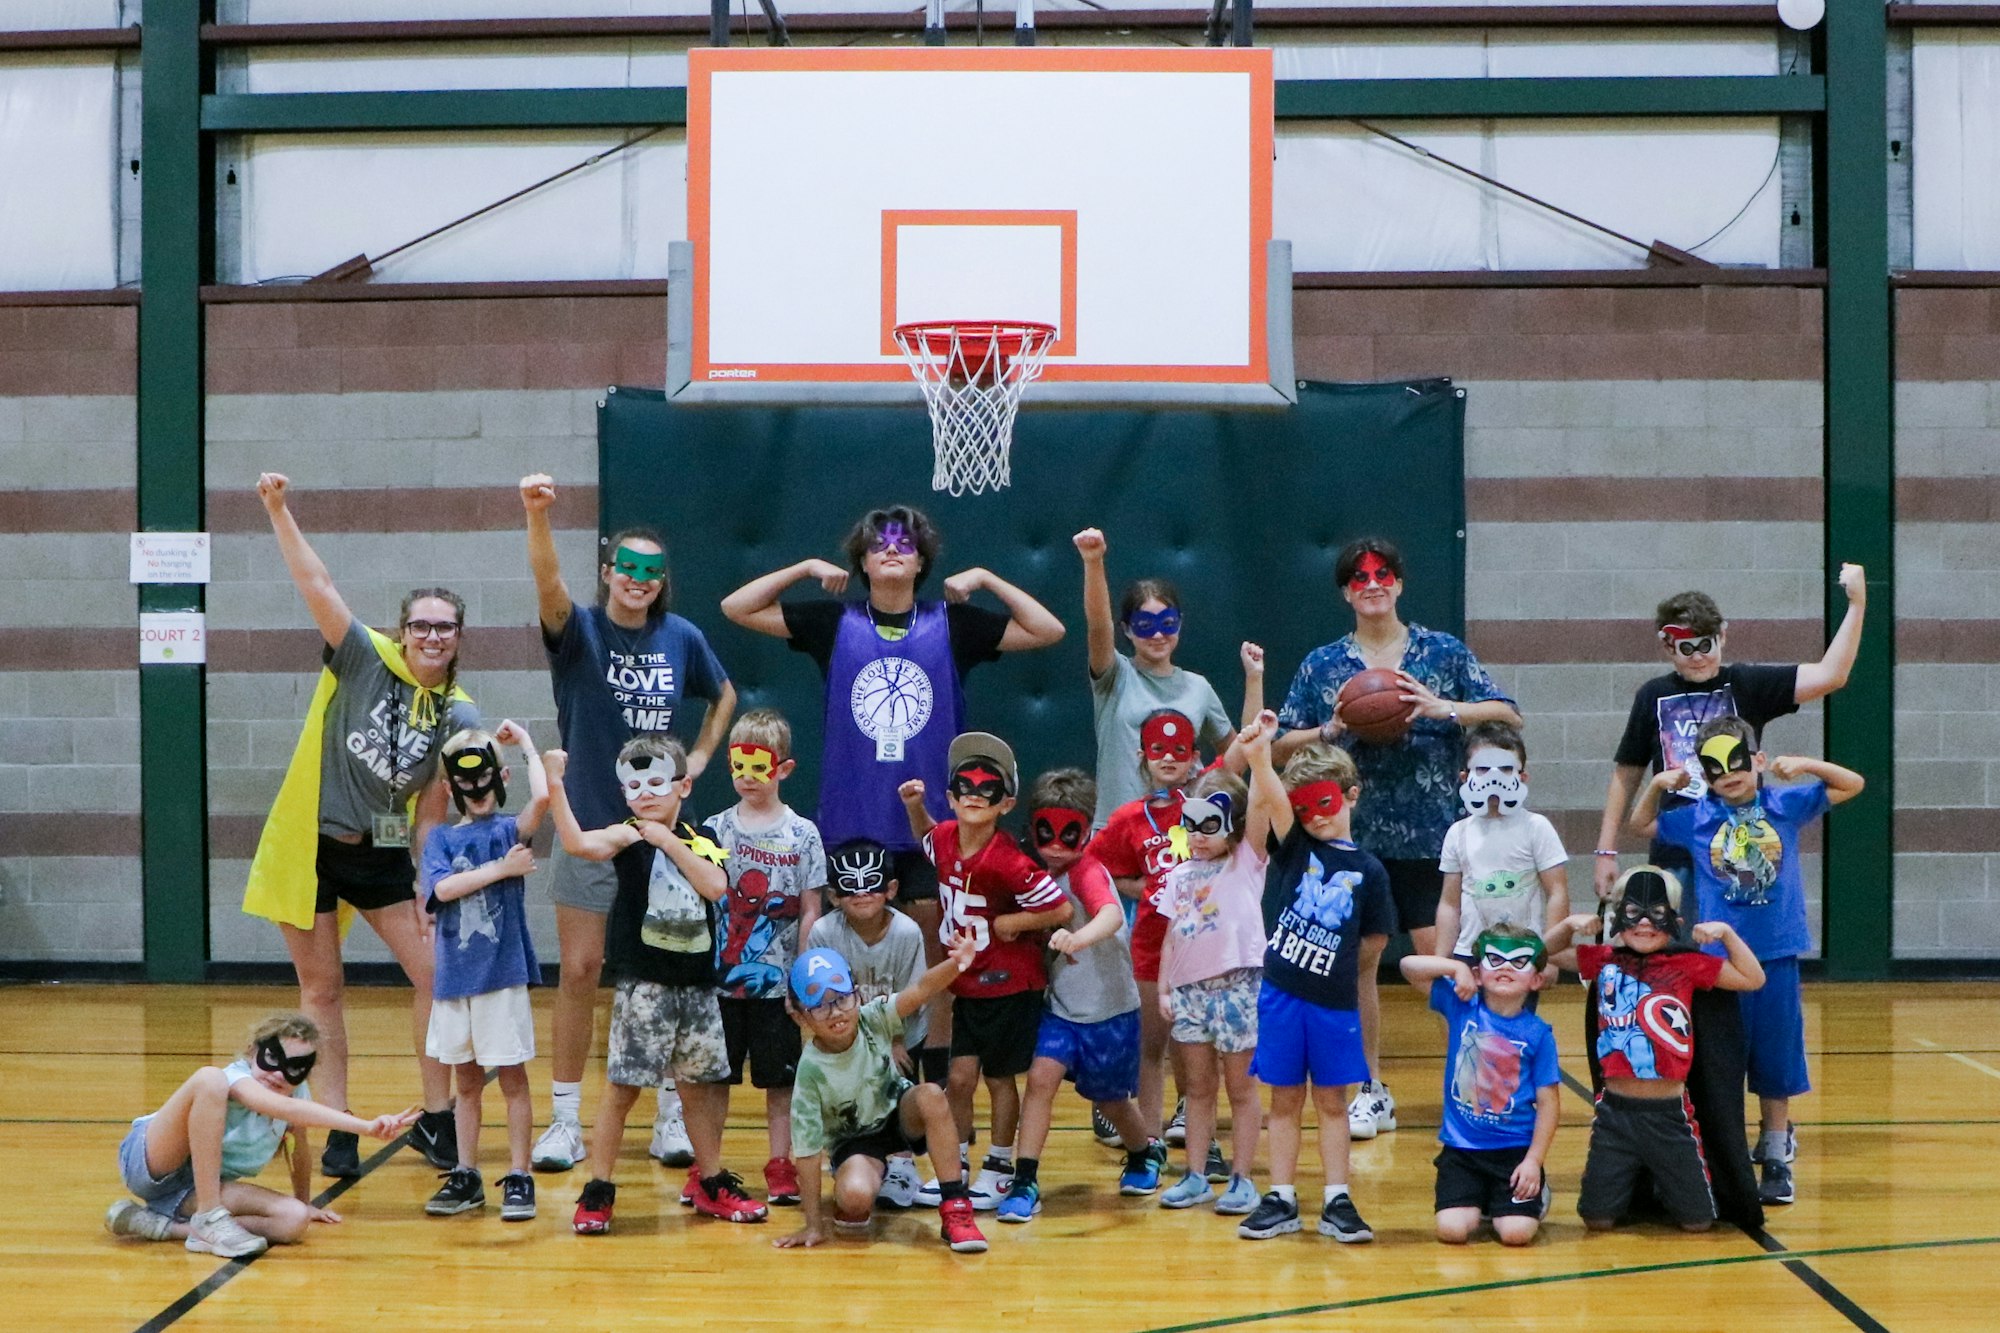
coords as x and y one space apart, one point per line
985 745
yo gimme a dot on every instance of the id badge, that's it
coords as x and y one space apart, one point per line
392 830
889 750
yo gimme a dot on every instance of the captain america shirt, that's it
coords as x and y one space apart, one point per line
1645 1027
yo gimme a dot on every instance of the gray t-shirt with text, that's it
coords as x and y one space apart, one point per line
372 757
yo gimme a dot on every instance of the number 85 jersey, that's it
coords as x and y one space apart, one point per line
973 892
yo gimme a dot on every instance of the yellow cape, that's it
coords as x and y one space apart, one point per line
284 880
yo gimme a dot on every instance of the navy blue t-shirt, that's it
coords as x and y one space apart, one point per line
1493 1067
1320 898
612 684
482 939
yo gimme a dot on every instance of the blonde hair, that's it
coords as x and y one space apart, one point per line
656 747
285 1023
1238 791
472 738
766 727
1320 762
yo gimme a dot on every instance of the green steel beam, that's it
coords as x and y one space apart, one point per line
492 109
1860 482
175 227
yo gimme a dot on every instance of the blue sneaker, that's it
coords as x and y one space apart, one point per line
1190 1190
1239 1198
1142 1170
1021 1203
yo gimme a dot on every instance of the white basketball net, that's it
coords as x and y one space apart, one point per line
972 375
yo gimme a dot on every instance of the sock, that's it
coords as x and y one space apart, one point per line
1136 1158
1024 1171
1332 1192
1771 1145
1289 1193
566 1102
1004 1156
670 1098
953 1189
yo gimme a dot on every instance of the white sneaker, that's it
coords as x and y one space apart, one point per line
988 1188
670 1134
900 1183
127 1218
560 1147
928 1194
1372 1112
1175 1133
216 1232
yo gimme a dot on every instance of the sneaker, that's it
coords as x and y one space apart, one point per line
560 1147
1372 1112
435 1135
956 1226
1188 1191
728 1201
670 1135
688 1187
128 1218
1774 1183
593 1208
1239 1198
517 1197
461 1192
1142 1170
1022 1202
1791 1149
990 1186
1275 1215
1105 1132
900 1183
928 1193
1215 1168
1340 1220
342 1157
781 1182
1176 1131
216 1232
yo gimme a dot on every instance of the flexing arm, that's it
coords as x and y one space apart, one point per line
1818 679
921 822
588 844
754 606
1421 969
1564 933
1842 784
518 862
1096 602
1618 794
530 818
707 878
957 958
714 730
1268 802
1645 819
1742 971
323 600
552 600
1032 625
1252 657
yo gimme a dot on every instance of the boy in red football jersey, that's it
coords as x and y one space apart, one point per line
989 886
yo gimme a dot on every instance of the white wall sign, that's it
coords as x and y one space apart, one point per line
169 557
179 638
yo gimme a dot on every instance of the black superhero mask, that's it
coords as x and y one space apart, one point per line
271 1058
1646 898
474 772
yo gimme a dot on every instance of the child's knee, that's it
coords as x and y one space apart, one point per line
209 1083
289 1221
471 1079
1516 1230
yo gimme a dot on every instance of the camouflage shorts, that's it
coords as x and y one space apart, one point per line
662 1033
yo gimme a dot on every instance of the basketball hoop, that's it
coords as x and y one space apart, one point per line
972 372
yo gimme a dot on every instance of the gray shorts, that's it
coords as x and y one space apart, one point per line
660 1034
575 882
161 1194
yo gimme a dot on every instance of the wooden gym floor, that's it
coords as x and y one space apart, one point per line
1897 1223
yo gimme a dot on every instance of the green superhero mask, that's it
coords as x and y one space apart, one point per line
640 566
1507 948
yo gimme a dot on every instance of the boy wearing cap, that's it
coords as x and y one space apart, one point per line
853 1103
987 885
1743 838
1645 1125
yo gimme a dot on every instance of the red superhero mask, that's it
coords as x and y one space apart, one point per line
1371 568
1054 826
1167 735
1317 800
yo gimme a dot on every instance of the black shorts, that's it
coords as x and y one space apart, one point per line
916 877
362 875
933 1063
1633 1138
998 1032
1483 1178
880 1143
763 1032
1416 886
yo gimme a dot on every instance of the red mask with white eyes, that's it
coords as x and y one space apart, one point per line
1167 735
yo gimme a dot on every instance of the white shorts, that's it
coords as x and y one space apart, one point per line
493 1030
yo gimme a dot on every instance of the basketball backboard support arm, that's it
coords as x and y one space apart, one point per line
1281 390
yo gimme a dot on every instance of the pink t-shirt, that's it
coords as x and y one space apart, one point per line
1215 916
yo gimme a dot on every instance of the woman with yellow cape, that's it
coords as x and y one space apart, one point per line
362 792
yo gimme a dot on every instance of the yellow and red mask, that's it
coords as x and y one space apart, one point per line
758 763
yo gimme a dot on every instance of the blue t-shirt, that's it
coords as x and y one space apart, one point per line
1320 899
1746 863
482 939
1493 1066
612 684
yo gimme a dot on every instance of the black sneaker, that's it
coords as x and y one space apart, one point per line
435 1135
1342 1221
1105 1132
342 1158
1275 1216
1216 1169
1774 1184
461 1192
517 1197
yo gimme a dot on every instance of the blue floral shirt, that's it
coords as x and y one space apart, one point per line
1409 795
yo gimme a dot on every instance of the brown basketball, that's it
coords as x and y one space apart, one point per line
1371 706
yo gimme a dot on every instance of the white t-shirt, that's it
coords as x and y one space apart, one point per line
1500 859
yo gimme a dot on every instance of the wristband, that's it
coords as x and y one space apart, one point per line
1604 851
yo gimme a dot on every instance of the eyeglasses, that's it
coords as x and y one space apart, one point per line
1523 961
424 629
834 1004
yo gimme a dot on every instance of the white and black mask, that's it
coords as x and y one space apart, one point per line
646 775
1493 782
856 869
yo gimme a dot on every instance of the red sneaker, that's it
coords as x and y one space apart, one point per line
728 1202
593 1210
688 1187
955 1224
781 1182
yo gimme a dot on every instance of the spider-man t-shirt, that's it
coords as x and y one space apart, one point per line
998 880
1645 1027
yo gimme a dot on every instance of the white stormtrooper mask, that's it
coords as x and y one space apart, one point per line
1493 774
643 775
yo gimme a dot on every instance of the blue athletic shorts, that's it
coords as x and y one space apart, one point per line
1102 1058
1774 1032
1298 1040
